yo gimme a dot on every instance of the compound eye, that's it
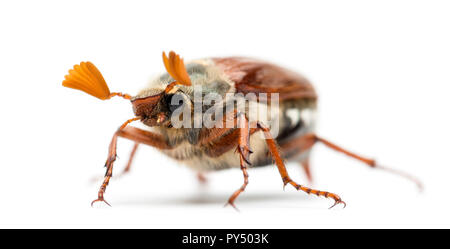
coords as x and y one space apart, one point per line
174 101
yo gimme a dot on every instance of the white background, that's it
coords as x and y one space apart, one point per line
381 69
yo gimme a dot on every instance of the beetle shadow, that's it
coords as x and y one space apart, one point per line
195 199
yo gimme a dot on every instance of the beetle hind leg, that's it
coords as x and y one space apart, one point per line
306 142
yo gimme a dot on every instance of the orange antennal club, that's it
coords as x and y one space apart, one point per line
175 67
87 78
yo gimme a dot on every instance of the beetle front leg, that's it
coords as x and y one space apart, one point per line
284 174
134 134
127 167
109 168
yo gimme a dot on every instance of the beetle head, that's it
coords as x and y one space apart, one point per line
155 109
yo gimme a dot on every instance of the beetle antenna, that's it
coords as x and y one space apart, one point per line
123 95
87 78
175 67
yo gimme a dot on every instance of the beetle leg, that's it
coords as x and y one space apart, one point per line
244 151
109 167
130 161
202 178
132 133
128 167
307 168
284 174
305 142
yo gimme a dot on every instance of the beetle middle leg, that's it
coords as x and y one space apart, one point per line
307 169
134 134
244 151
272 145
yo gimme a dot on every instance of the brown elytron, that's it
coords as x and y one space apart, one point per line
220 147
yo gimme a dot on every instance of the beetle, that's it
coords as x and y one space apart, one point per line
215 148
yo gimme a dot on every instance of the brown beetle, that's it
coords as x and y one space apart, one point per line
220 147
